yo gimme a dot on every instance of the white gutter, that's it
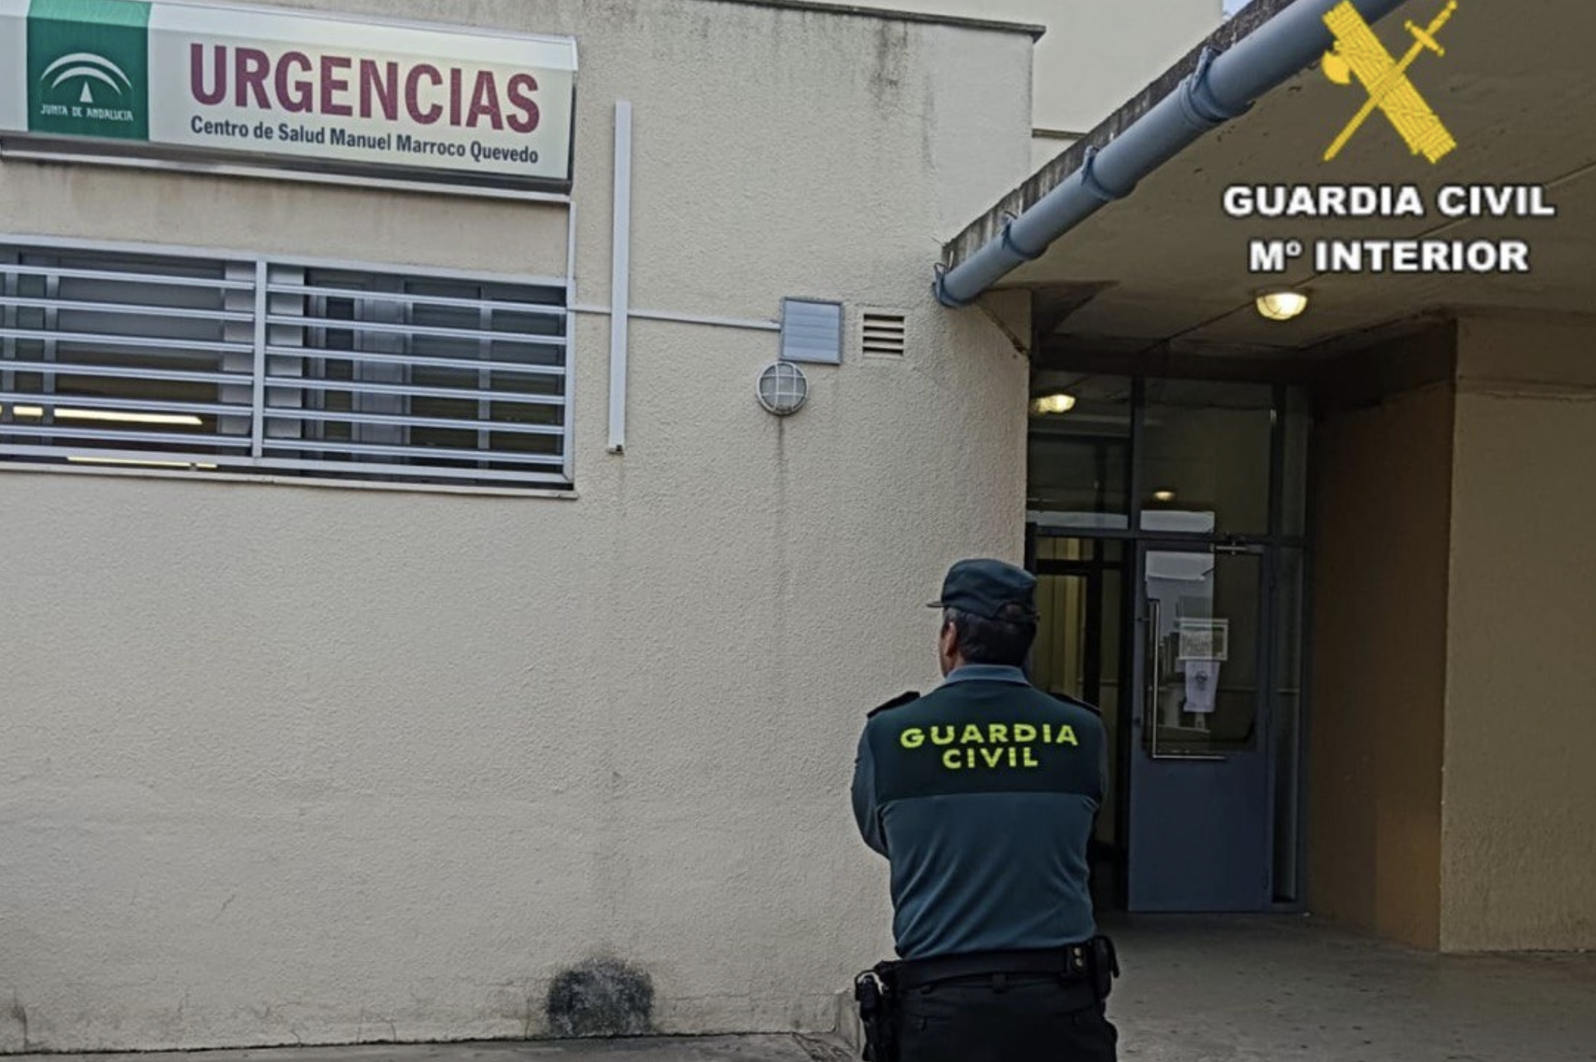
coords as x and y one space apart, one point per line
1223 86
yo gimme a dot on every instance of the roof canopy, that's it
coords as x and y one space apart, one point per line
1167 269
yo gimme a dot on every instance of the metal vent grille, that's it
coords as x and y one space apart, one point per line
207 364
883 333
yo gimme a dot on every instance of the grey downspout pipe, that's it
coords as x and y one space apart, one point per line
1222 87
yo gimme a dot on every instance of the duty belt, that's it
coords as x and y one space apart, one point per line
1072 963
879 989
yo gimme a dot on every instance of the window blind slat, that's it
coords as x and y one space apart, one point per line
437 453
408 359
144 405
475 334
293 383
510 426
546 309
75 431
118 372
131 309
137 342
150 279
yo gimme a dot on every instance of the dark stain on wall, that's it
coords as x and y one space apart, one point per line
600 997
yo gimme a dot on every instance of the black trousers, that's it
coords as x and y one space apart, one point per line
1013 1019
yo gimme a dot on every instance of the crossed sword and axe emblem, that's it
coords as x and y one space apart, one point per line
1358 52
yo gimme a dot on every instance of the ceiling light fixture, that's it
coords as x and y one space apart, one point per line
113 416
1050 404
77 460
1164 495
1282 304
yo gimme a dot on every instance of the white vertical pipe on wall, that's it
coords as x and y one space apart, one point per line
570 341
620 275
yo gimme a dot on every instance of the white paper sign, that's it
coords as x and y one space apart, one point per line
1202 686
1207 639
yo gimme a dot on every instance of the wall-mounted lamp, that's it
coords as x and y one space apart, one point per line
783 389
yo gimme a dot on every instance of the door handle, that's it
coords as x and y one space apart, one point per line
1155 652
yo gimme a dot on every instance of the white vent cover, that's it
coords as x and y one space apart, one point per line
811 331
883 333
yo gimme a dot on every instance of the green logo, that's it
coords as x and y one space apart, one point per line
88 68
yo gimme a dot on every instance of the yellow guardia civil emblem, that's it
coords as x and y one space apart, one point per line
1359 52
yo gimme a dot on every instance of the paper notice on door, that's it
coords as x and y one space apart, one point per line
1204 639
1202 683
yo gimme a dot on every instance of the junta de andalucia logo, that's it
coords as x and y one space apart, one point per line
88 71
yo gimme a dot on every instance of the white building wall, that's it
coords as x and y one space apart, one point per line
1095 55
294 764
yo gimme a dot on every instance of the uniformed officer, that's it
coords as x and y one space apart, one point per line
982 795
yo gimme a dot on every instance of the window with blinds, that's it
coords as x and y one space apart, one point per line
224 364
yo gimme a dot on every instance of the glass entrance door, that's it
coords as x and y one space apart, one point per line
1171 514
1078 654
1200 822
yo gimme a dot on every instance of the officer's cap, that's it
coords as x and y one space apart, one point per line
982 587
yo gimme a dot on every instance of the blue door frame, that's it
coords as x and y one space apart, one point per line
1199 832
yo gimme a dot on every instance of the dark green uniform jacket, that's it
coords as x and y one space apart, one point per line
982 795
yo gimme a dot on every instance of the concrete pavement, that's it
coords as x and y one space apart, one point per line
777 1048
1288 990
1227 989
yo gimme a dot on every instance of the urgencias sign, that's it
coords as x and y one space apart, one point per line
293 91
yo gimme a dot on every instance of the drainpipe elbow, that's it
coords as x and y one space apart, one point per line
939 288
